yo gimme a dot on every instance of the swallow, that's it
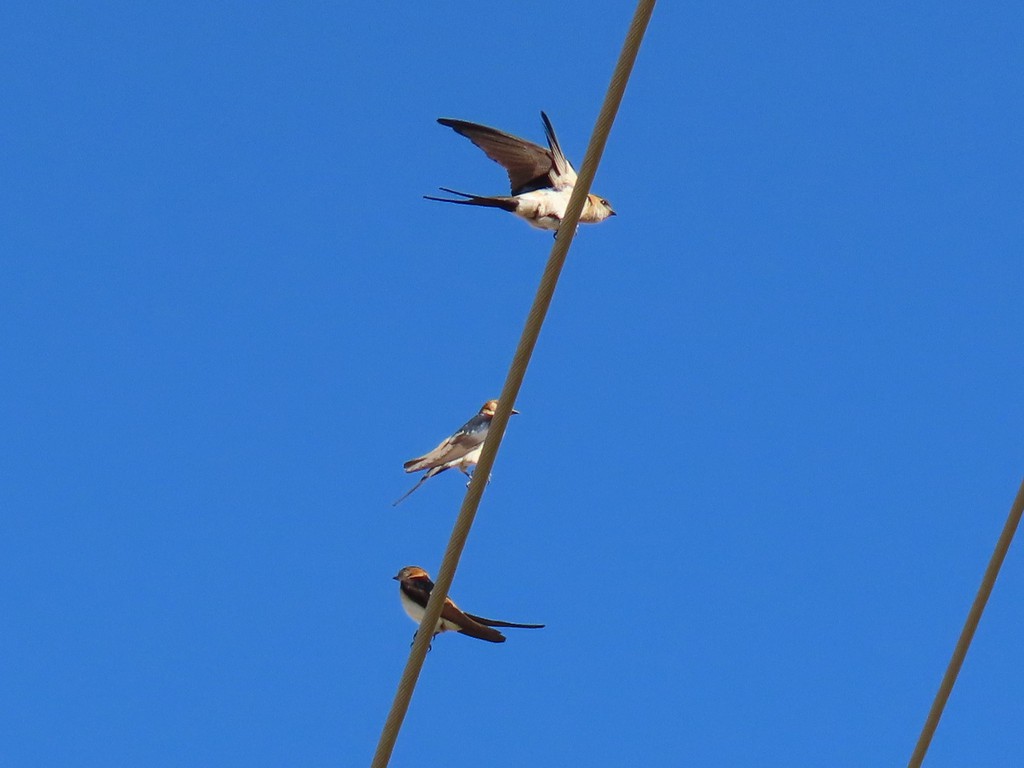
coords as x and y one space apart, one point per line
414 587
541 179
461 450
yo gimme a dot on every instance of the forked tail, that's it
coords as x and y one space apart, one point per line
505 203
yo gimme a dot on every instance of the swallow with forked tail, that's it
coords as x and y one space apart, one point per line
461 450
541 179
414 587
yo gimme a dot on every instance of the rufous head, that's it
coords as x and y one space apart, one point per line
600 209
491 407
411 572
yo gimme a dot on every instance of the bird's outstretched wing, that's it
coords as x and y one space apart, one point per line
529 165
562 173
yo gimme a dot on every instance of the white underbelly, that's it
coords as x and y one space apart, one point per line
544 208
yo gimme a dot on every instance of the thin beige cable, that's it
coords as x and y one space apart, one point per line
967 634
513 382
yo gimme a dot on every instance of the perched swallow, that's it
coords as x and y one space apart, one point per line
414 587
541 179
461 450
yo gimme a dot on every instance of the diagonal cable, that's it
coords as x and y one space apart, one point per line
967 634
513 382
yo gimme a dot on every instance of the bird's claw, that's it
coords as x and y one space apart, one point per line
471 479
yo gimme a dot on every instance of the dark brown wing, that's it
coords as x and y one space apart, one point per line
418 590
562 173
468 626
529 165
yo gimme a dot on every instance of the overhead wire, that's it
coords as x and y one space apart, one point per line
513 382
510 390
988 581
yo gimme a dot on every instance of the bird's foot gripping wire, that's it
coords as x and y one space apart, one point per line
430 645
471 478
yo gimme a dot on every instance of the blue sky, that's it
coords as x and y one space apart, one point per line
768 439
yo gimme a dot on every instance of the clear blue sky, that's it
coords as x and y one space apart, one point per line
770 434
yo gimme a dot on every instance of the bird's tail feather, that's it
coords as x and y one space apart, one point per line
483 632
496 623
415 465
505 203
408 493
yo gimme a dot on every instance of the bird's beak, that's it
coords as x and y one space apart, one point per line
612 213
395 578
515 411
